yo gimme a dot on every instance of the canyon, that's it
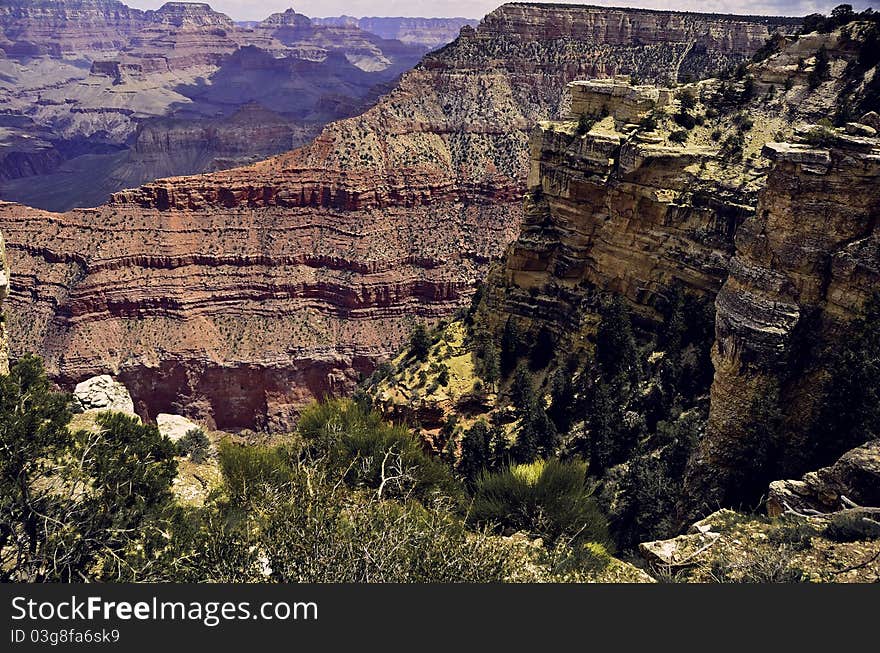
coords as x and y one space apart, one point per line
235 297
97 97
428 33
754 207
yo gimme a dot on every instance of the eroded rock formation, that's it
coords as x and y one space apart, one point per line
4 293
235 297
84 78
750 206
428 33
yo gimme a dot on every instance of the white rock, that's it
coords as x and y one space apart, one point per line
174 427
103 393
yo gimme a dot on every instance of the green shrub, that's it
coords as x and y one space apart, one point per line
648 123
74 505
685 120
419 342
313 529
547 498
250 472
366 451
773 567
679 136
585 124
820 70
793 532
687 99
195 445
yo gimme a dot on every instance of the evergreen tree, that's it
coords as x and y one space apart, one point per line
616 351
475 452
511 345
522 394
543 350
758 455
820 70
419 342
849 414
73 506
562 395
491 370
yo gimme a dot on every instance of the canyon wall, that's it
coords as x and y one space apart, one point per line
82 78
429 33
234 297
805 266
754 207
4 293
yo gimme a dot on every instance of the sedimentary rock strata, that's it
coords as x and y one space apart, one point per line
751 206
428 33
235 297
83 78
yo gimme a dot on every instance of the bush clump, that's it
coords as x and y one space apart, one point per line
195 445
547 498
851 527
371 453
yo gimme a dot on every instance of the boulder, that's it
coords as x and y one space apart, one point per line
871 119
855 475
858 129
174 427
103 393
678 550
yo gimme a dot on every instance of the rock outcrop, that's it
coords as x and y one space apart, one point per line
731 547
174 427
236 297
804 266
854 477
749 206
103 393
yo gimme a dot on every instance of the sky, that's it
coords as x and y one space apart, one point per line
259 9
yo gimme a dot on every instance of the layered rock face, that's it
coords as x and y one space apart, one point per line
804 266
683 44
58 27
429 33
741 209
83 77
235 297
615 211
4 293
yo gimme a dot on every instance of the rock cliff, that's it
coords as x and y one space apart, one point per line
428 33
4 293
734 195
83 77
235 297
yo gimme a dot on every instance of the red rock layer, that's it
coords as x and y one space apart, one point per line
236 296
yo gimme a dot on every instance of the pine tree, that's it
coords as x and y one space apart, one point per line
849 414
616 351
475 452
511 345
820 70
419 342
522 394
490 367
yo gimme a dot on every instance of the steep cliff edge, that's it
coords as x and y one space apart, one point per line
805 265
740 227
239 295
